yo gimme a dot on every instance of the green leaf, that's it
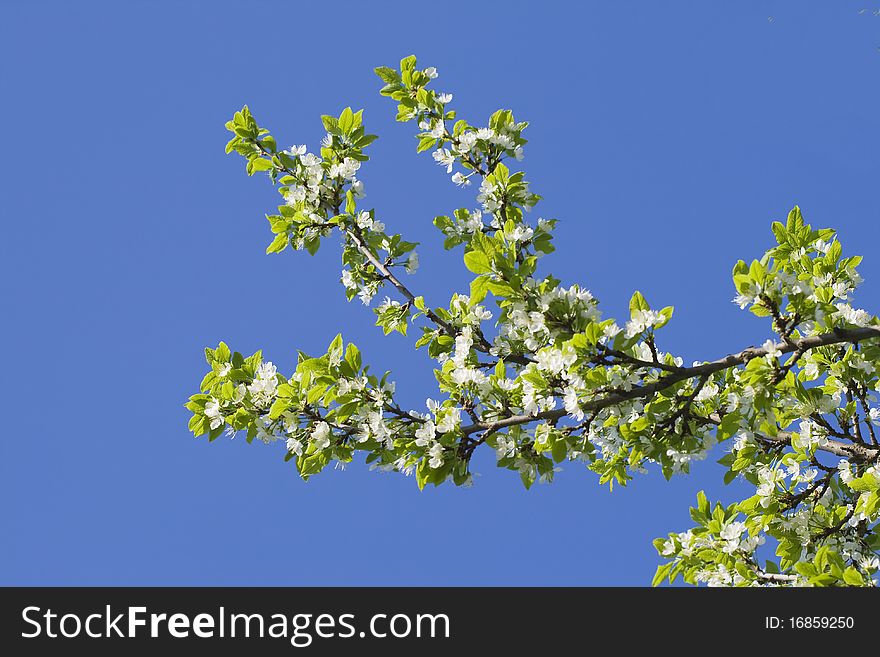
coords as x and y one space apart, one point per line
426 142
313 464
637 302
222 354
477 262
559 451
423 473
408 63
662 573
757 272
258 164
479 288
388 74
278 244
703 503
315 393
867 482
346 120
331 123
852 577
353 357
335 345
795 220
779 231
278 407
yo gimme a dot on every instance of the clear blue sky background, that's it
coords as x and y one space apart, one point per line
665 137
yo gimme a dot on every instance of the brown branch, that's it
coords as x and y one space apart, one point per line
632 360
839 448
860 393
357 239
836 336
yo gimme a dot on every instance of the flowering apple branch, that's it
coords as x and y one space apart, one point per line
562 384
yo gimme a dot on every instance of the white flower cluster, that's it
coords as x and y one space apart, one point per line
392 314
851 315
772 351
482 139
315 180
369 420
744 400
770 479
268 430
464 224
368 291
436 128
459 365
346 170
809 436
731 540
555 361
493 195
809 287
466 312
681 459
687 542
444 158
734 541
526 321
798 523
426 437
607 439
505 447
642 320
412 263
445 420
213 413
719 575
262 388
707 392
366 221
319 436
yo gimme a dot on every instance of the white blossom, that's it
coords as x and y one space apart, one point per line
262 388
357 188
811 371
642 320
450 421
708 391
743 300
772 351
320 436
436 454
444 158
412 263
212 411
460 180
505 447
466 141
851 315
348 280
425 434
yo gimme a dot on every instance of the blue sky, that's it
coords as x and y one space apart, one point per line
665 137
